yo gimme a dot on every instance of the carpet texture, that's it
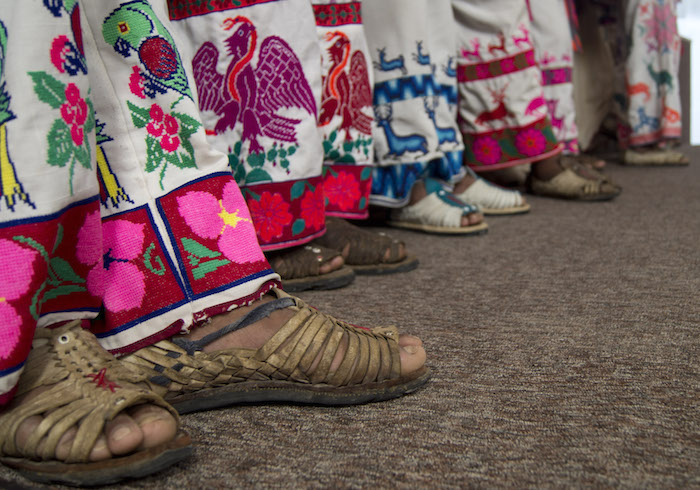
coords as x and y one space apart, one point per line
565 348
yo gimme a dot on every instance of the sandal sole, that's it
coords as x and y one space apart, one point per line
479 229
137 465
506 211
249 392
333 280
408 264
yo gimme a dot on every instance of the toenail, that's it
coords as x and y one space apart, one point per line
411 349
121 433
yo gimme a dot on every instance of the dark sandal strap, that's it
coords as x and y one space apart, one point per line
301 261
366 247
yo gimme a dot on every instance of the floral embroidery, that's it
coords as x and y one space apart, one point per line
487 150
661 30
225 220
270 215
15 279
530 142
313 208
137 83
168 140
67 142
66 57
342 190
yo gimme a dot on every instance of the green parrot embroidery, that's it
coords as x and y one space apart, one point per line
135 27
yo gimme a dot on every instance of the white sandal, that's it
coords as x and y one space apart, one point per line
439 212
494 200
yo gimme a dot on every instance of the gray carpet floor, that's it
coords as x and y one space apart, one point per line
565 350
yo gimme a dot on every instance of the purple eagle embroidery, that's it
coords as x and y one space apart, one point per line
250 95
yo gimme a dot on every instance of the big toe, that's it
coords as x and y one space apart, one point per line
123 434
334 264
157 424
412 358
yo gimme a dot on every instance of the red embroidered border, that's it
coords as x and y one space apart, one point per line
496 68
286 214
338 14
347 189
182 9
510 146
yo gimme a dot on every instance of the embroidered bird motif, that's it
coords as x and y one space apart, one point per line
346 94
254 96
134 27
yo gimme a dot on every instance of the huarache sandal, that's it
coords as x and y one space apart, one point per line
366 250
285 369
494 200
654 156
86 387
299 268
569 184
438 212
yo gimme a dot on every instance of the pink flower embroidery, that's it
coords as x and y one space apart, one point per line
15 279
113 277
487 150
136 83
165 127
508 65
661 26
482 71
225 219
60 47
530 142
342 191
74 112
270 215
313 208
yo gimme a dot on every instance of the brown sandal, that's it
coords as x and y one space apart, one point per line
299 268
367 249
280 371
87 387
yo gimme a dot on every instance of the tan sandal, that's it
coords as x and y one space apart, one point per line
568 184
366 249
654 157
87 387
192 380
299 268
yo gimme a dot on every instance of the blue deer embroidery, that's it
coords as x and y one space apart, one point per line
398 144
646 120
445 135
388 65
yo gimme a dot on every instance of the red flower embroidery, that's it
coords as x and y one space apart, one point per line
136 83
74 112
59 48
270 215
313 208
487 150
530 142
342 190
165 127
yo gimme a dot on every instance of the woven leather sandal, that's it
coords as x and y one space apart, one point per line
299 268
439 212
280 371
367 249
87 387
654 157
568 184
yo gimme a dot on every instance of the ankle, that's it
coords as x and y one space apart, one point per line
547 169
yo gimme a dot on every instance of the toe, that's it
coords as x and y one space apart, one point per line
412 358
157 424
334 264
123 434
